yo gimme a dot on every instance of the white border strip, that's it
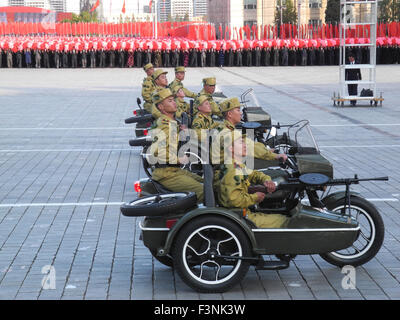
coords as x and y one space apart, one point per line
307 230
68 150
71 128
60 204
357 125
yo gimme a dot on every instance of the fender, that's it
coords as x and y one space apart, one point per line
234 216
336 196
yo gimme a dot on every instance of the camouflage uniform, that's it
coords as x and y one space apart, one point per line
147 89
165 150
181 106
203 122
260 150
214 106
147 92
154 110
179 83
233 193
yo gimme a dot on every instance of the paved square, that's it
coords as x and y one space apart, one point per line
65 166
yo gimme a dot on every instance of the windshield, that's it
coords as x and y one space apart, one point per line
249 99
300 133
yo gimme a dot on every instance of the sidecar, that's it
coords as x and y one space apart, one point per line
212 247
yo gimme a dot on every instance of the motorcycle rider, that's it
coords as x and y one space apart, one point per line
148 87
232 115
203 120
235 178
208 89
181 104
179 77
160 82
164 149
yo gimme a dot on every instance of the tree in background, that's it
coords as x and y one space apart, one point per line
388 10
289 14
84 16
332 12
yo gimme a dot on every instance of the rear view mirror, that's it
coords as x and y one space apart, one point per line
138 101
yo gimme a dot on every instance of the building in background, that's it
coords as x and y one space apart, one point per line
226 15
164 10
73 6
182 8
200 8
311 11
250 12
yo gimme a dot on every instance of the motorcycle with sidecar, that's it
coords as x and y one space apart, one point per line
212 247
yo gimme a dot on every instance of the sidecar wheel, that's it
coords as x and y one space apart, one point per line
195 249
160 204
369 240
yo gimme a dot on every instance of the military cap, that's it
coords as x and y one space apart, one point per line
148 66
176 89
158 73
180 69
229 104
161 95
201 99
210 81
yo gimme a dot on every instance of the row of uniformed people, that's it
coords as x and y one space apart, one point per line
232 178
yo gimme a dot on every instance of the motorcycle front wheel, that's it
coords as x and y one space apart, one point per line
370 238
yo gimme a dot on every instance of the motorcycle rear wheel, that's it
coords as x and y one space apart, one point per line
369 240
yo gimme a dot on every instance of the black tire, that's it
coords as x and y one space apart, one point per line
372 233
160 204
211 235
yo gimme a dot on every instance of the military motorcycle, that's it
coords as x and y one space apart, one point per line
212 247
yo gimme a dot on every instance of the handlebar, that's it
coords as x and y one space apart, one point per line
145 118
140 142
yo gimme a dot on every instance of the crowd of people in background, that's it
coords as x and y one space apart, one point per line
192 57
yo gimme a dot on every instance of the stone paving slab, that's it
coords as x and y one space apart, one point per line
65 165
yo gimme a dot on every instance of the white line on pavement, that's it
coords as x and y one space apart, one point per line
367 146
72 128
68 150
357 125
60 204
140 148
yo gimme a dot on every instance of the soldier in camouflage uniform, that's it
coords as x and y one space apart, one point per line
233 189
164 150
232 115
179 77
160 82
148 87
202 119
208 89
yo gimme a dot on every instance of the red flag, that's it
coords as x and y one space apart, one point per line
123 8
95 6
